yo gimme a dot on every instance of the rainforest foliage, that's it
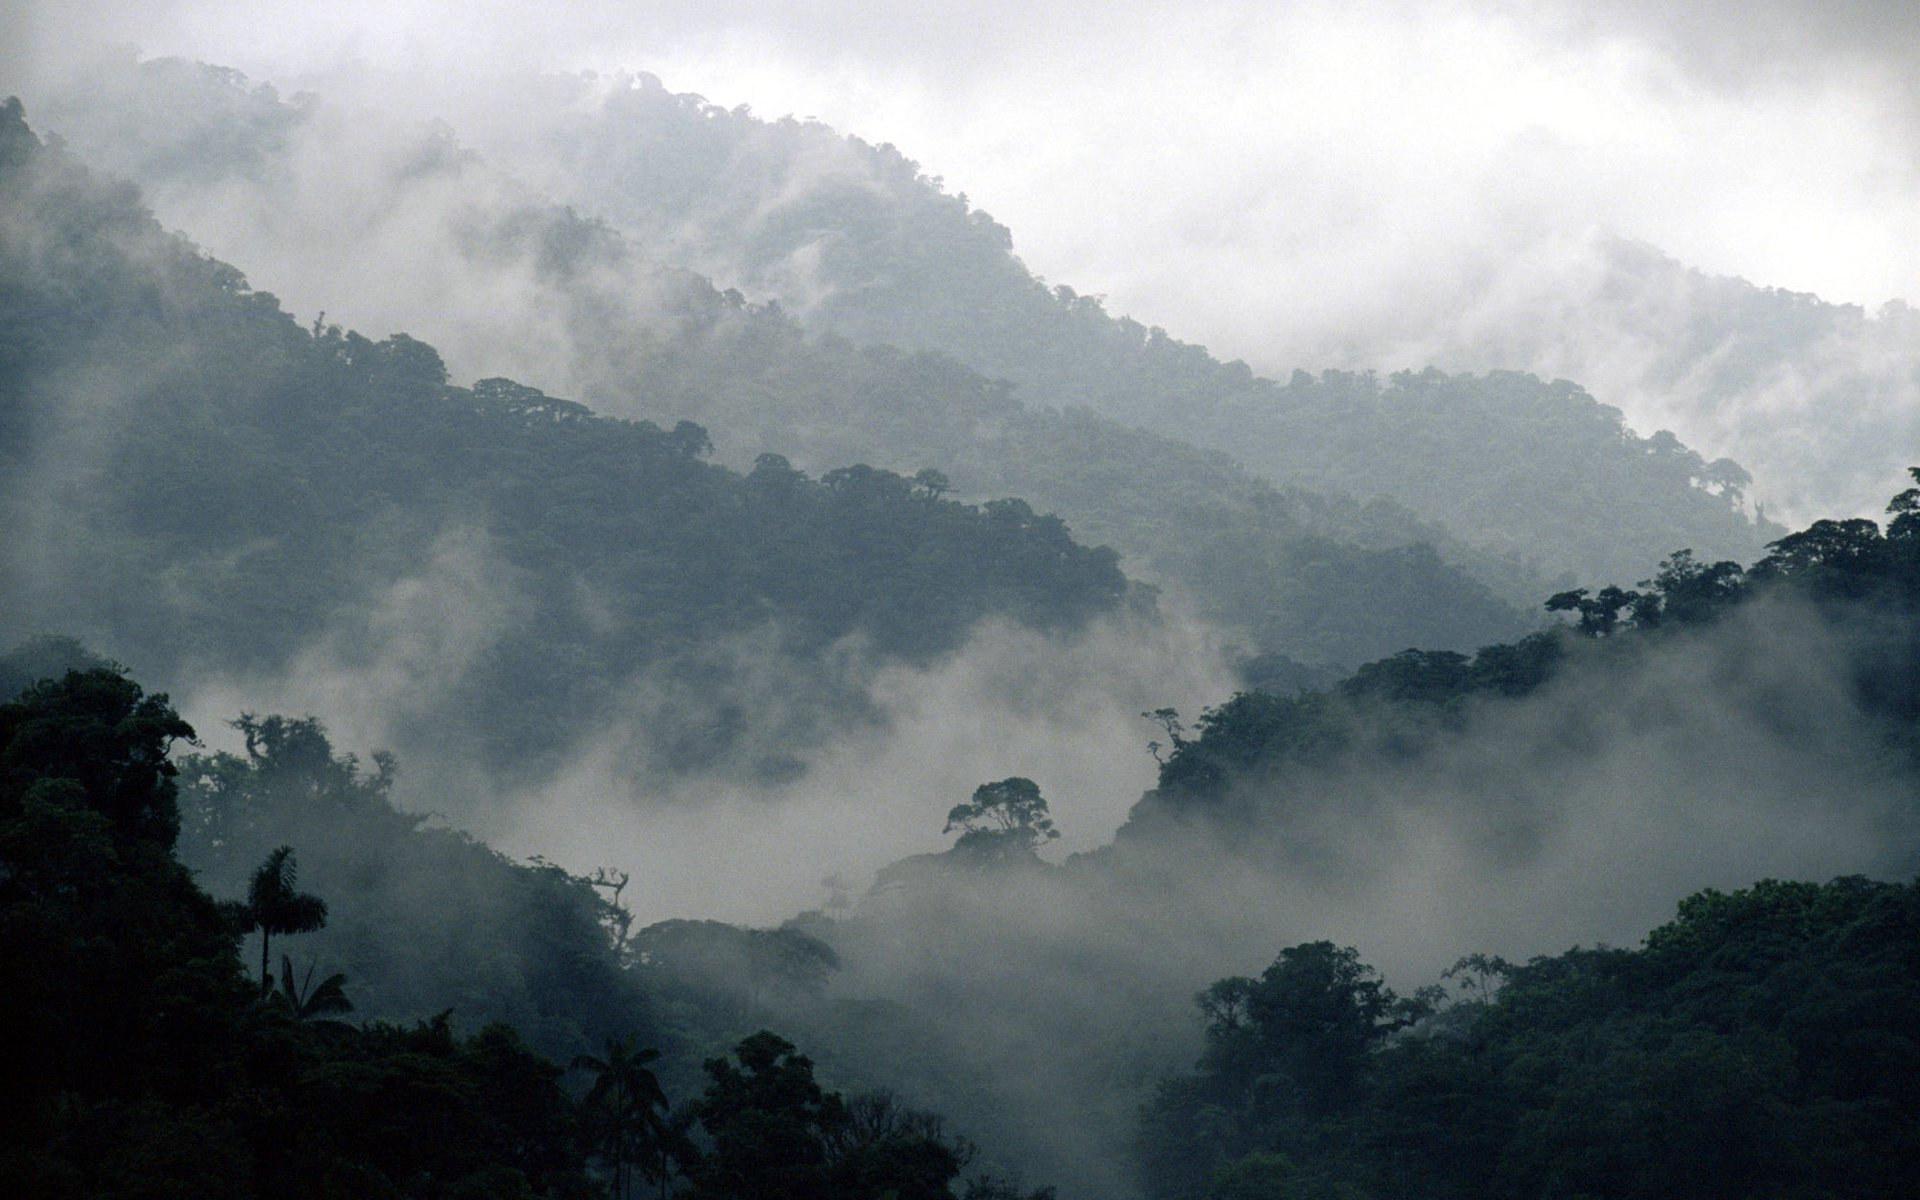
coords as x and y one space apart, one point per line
144 1060
1762 1043
247 968
310 491
1856 582
863 243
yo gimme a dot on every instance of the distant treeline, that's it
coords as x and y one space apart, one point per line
859 241
197 483
890 323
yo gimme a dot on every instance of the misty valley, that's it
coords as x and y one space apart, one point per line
566 640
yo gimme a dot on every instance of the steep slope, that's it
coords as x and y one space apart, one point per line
1820 400
858 241
1760 1042
198 485
505 282
1722 726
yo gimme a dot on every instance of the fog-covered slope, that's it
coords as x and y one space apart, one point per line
425 235
859 241
200 486
1820 401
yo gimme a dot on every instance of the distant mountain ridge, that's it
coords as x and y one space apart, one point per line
857 241
550 293
198 485
1820 400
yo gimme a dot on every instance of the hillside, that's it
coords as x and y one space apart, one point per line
1722 725
858 241
1759 1042
1816 398
200 486
435 237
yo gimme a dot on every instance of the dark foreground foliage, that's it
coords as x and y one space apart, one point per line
1764 1043
143 1061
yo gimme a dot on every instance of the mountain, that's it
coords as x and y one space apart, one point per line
430 235
857 240
1722 725
201 486
1818 399
1760 1041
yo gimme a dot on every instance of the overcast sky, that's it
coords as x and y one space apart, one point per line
1231 168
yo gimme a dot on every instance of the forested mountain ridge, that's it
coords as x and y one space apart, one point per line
173 436
1329 1106
1759 1040
1759 1043
1843 593
821 648
1816 398
1719 725
859 241
532 287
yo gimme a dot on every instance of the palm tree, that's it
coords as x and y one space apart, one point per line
309 1000
627 1103
274 906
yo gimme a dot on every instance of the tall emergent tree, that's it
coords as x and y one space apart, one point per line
1009 815
626 1110
275 905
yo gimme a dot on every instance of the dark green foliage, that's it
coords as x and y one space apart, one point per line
1320 577
293 488
769 1122
273 905
307 1000
97 730
627 1119
714 975
421 918
775 1134
1763 1043
104 941
142 1062
1009 816
1858 579
43 658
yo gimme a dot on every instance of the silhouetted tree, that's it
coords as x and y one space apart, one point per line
1009 813
275 905
625 1113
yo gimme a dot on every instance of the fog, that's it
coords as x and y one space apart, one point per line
1381 185
1012 702
1611 194
1578 816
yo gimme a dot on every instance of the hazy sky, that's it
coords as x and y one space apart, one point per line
1229 168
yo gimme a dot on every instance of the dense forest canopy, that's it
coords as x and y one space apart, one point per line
1099 950
417 748
1815 397
542 288
1848 582
860 242
165 423
145 1062
1760 1043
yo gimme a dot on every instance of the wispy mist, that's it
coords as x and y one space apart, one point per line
1580 815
